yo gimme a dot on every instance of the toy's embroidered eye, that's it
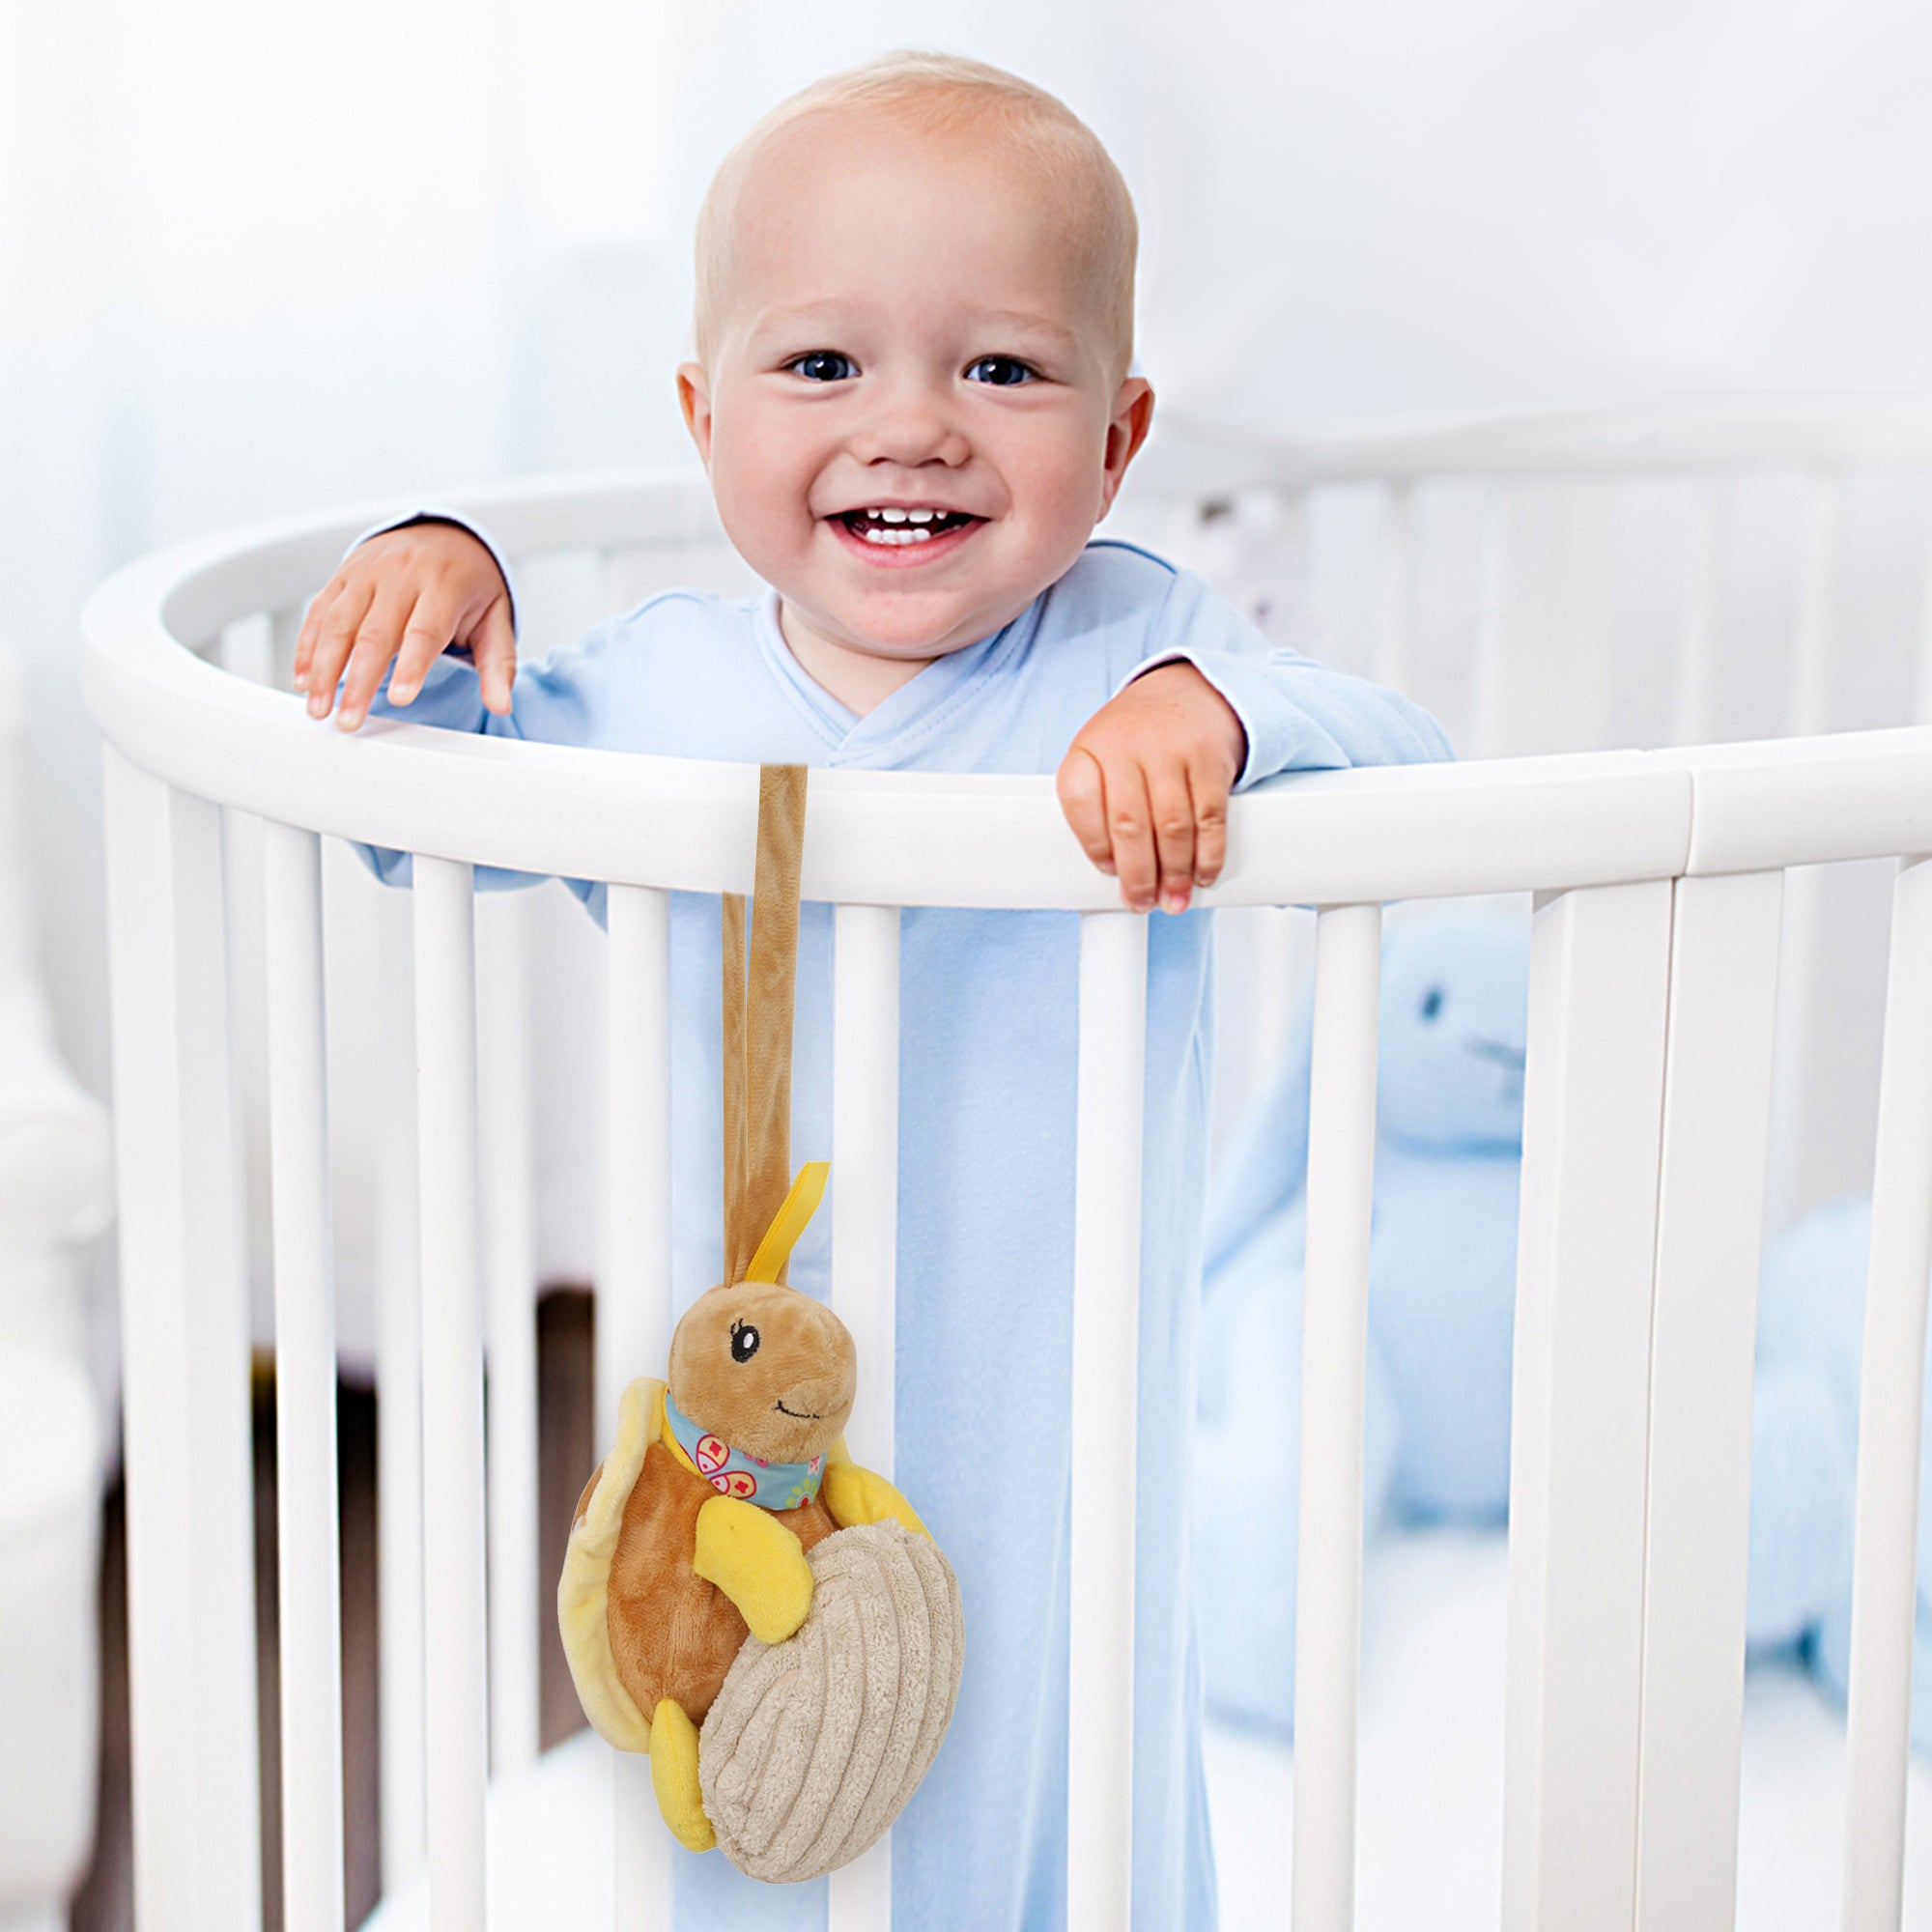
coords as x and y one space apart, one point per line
824 365
744 1341
1432 1003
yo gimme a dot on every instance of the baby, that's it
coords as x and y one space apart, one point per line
913 395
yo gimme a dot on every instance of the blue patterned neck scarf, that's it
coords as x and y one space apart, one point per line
772 1486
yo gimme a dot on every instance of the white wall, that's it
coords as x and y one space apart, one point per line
252 259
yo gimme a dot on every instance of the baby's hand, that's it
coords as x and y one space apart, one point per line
407 594
1145 785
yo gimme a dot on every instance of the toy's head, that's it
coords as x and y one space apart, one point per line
767 1368
1453 1019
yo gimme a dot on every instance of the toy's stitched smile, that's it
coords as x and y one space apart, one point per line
799 1414
1496 1049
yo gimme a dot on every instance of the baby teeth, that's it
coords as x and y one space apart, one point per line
884 524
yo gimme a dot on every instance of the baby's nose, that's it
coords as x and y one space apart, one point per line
911 428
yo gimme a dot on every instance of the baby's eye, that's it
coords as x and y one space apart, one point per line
1001 371
823 365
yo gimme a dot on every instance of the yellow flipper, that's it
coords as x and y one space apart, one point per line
674 1777
758 1562
583 1590
856 1495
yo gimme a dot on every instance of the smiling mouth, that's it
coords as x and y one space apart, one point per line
897 529
799 1414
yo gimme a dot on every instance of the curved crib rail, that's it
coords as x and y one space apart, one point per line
1688 435
1727 538
1654 972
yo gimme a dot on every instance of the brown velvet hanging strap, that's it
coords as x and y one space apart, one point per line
758 1022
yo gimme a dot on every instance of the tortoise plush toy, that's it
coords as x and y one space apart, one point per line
729 1565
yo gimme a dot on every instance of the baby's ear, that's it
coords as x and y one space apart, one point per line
1133 417
694 396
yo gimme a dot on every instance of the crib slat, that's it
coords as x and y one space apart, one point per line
1489 696
190 1520
633 1320
454 1680
219 1336
1807 711
504 1100
1922 688
1694 702
1293 539
399 1473
633 1317
307 1557
1400 581
1801 946
1105 1407
1580 1394
1808 694
865 1161
1584 517
1716 1111
865 1236
1334 1355
1890 1397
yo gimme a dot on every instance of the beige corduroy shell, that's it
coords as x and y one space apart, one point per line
814 1744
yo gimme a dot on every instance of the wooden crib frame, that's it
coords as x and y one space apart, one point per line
1660 894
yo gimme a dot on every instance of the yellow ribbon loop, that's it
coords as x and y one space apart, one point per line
789 1222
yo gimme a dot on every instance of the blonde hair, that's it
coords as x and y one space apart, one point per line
940 94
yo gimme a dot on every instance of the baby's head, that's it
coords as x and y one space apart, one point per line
914 320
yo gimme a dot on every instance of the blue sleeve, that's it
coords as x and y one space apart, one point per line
1298 715
553 703
439 515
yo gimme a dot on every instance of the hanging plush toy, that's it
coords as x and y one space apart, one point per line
730 1566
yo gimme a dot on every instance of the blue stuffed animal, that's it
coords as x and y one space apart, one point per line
1441 1305
1812 1302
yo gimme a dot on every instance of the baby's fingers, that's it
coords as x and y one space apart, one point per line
311 630
335 628
377 641
1171 808
1082 790
427 635
1208 782
1130 831
1107 807
494 645
344 598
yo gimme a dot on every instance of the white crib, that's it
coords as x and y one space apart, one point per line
1660 899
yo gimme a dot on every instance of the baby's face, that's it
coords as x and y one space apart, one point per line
913 412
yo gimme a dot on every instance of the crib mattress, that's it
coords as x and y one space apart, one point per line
1430 1770
1428 1811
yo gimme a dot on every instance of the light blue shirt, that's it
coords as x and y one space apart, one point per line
985 1210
